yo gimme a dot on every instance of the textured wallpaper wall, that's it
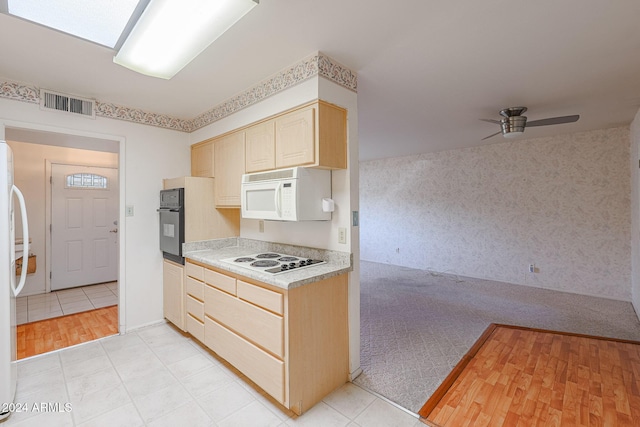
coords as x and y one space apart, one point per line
635 211
561 203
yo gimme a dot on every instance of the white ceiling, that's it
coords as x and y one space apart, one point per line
427 70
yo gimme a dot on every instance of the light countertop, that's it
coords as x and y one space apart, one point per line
211 252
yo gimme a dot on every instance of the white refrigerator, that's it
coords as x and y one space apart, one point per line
9 286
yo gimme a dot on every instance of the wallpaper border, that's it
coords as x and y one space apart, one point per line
318 64
315 65
20 92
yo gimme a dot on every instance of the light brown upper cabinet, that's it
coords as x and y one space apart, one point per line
229 166
202 159
261 146
295 136
311 135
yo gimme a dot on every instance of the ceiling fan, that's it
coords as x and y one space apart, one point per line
513 123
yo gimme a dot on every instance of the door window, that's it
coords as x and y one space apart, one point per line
86 180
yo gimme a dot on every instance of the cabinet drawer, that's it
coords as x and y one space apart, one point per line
195 288
195 308
195 271
195 327
220 281
272 301
262 368
257 325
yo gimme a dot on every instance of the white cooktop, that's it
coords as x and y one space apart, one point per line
272 262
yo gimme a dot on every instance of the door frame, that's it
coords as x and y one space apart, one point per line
48 205
122 227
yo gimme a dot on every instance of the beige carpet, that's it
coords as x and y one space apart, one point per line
416 326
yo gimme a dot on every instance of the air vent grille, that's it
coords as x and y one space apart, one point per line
67 103
268 176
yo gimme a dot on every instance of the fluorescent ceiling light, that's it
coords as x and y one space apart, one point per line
101 21
171 33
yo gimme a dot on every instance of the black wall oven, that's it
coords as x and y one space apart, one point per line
172 224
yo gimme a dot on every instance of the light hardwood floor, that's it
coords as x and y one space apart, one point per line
53 334
65 301
520 376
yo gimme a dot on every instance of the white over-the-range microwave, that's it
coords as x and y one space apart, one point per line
293 194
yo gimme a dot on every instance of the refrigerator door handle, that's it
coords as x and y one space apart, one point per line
25 238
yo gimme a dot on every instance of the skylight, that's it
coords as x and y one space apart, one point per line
153 37
100 21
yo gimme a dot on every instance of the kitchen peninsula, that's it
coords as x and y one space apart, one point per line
287 332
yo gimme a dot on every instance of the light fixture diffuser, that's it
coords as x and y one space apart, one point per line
171 33
513 134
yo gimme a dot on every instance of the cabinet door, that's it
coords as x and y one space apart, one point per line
260 147
295 138
173 293
229 166
202 160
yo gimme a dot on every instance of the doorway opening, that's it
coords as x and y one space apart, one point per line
73 198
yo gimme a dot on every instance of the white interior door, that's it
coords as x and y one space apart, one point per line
84 231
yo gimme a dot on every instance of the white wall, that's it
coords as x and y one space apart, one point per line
147 155
635 212
561 203
32 180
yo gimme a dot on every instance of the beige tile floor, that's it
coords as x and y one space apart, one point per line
155 376
67 301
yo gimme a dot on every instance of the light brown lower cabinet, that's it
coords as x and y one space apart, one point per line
173 293
294 343
262 368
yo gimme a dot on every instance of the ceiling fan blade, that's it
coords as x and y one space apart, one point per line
553 121
491 136
497 122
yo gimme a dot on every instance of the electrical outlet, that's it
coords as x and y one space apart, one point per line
342 235
261 226
532 268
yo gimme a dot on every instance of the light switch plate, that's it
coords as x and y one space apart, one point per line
129 210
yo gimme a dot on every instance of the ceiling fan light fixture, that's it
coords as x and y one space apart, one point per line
512 134
513 122
513 126
171 33
513 111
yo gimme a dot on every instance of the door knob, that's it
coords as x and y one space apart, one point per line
115 230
